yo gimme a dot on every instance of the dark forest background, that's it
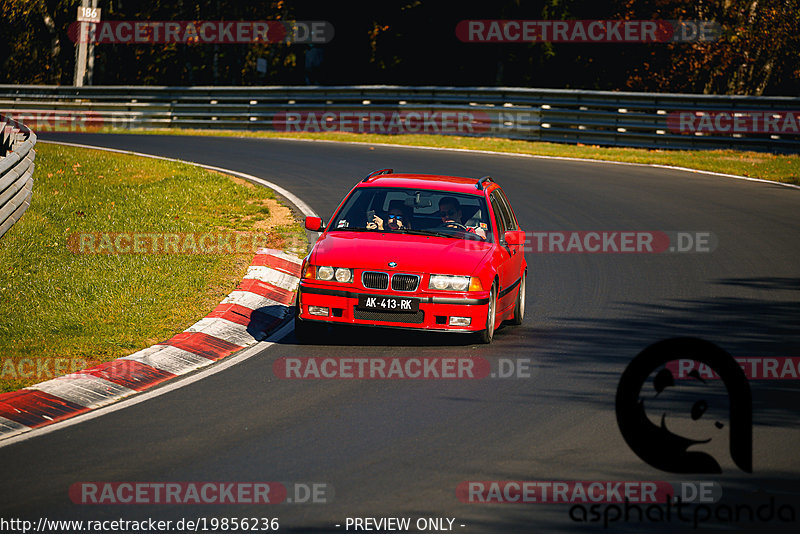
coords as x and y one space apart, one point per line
413 42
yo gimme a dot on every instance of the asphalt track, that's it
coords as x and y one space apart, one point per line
400 448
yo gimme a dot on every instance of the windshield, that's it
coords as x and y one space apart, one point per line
441 213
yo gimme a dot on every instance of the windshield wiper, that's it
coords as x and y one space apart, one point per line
426 232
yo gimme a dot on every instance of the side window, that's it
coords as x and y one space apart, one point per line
498 217
505 209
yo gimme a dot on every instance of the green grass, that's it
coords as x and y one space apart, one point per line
774 167
57 304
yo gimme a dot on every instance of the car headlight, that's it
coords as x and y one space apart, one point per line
328 273
460 283
344 275
446 282
324 273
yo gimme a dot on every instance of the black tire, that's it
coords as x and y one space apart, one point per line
519 306
486 335
305 331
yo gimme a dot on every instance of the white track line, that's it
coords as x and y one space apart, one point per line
468 150
535 156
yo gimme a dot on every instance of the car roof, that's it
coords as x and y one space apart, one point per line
452 184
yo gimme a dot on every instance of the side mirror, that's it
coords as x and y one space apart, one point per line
514 237
314 224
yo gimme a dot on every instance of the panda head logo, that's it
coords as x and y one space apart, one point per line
668 448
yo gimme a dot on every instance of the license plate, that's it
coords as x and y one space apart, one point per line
389 304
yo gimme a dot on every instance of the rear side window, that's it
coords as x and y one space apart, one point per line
498 216
505 209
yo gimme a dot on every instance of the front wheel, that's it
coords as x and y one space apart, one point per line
519 306
486 336
301 331
304 331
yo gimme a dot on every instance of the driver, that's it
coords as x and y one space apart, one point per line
450 212
397 218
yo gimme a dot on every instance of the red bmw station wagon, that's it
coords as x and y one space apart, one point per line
417 252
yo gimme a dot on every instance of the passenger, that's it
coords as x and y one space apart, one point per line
397 219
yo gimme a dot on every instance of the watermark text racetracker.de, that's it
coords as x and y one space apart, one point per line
620 242
405 121
587 31
734 122
65 120
586 491
400 368
220 242
38 368
202 32
202 493
755 368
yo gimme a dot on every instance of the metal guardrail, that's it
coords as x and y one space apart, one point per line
16 171
563 116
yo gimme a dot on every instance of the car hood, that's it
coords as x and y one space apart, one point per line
413 253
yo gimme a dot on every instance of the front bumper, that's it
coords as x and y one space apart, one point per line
435 308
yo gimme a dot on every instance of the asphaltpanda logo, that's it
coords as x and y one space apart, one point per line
647 381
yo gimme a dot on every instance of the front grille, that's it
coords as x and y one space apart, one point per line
392 317
375 280
405 282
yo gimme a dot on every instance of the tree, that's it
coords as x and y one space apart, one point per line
756 54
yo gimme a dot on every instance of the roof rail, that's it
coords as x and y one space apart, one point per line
479 185
378 173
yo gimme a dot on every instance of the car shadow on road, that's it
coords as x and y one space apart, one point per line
594 351
366 336
369 336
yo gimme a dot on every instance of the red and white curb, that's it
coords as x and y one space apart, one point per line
260 304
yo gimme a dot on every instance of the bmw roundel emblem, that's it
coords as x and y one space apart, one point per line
392 264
